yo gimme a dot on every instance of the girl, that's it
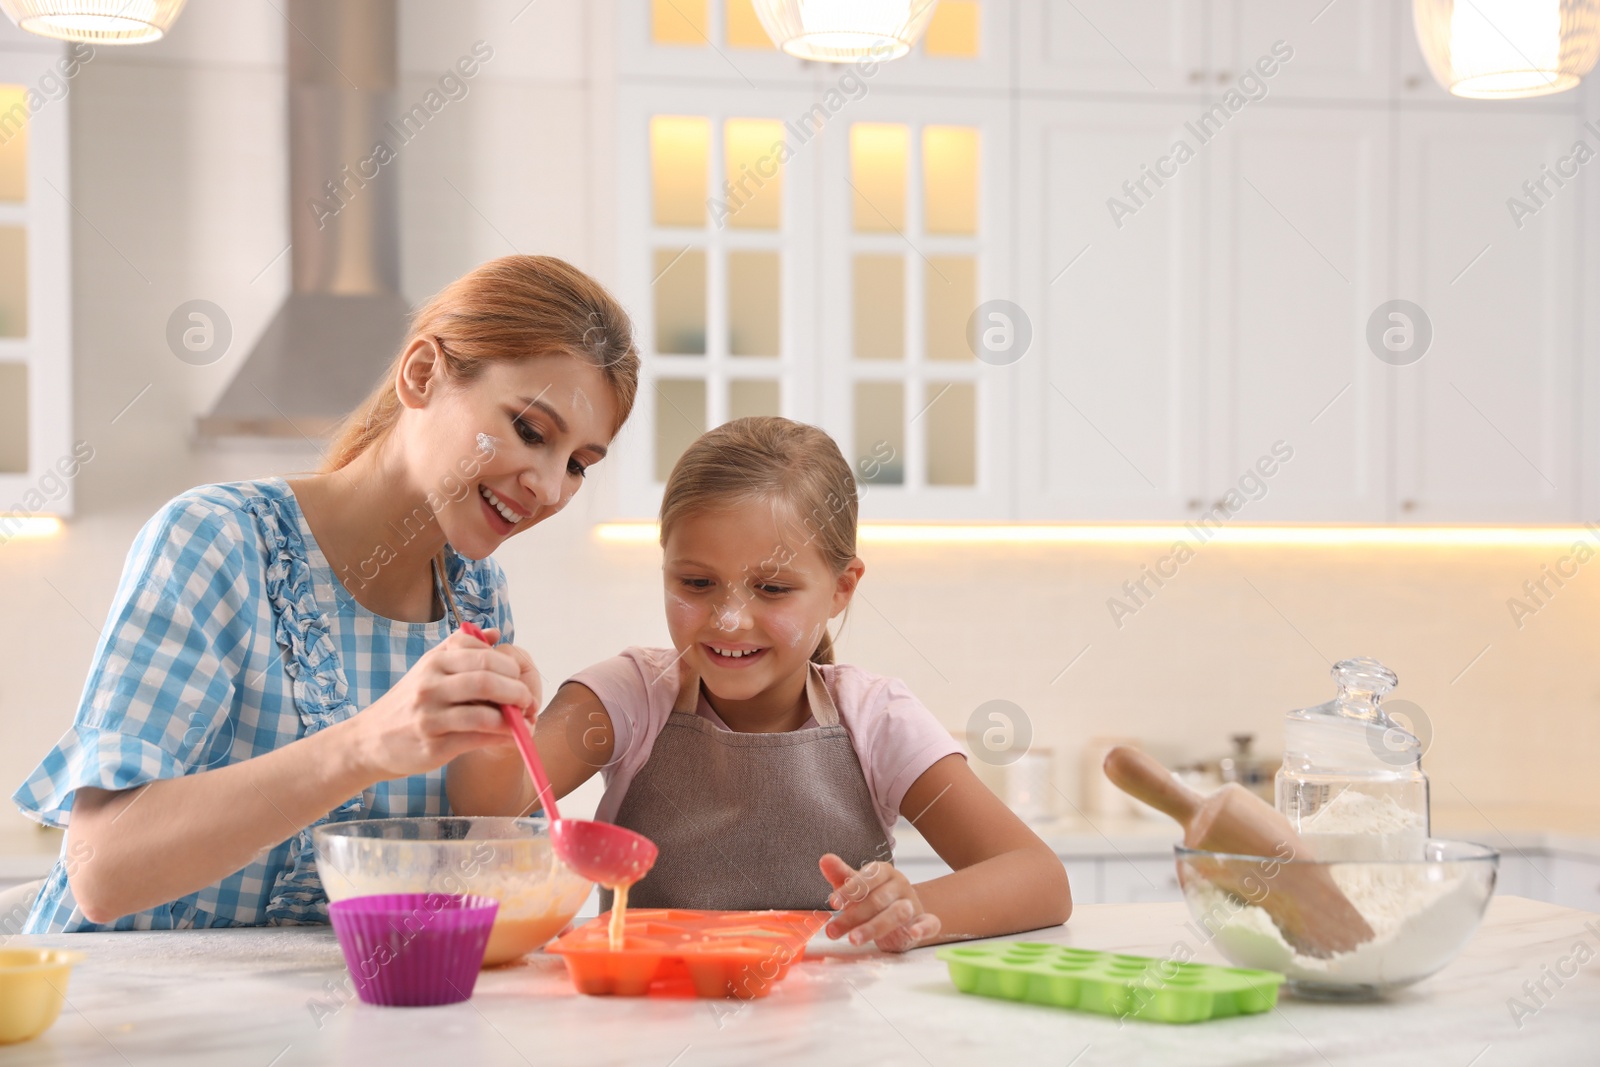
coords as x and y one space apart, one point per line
770 776
281 654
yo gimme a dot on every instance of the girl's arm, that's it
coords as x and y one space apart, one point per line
574 739
1005 879
151 844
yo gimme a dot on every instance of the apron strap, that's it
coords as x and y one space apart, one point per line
820 700
822 705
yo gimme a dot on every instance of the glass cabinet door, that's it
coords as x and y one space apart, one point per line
35 329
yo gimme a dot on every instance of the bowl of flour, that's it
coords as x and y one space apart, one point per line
1421 911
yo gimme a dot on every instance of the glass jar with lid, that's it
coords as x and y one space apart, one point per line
1351 782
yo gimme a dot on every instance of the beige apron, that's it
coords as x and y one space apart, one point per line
742 818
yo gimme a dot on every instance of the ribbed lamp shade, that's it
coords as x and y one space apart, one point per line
844 31
1505 49
95 21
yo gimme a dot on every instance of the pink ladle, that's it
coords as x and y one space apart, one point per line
597 851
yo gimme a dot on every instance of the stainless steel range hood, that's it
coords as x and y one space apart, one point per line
344 318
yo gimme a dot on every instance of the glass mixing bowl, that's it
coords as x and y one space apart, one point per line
1421 911
508 859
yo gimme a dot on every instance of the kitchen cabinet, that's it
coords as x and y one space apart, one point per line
1108 48
1110 416
1342 49
1139 879
1575 881
1187 310
37 457
1486 421
1083 875
1589 321
1300 214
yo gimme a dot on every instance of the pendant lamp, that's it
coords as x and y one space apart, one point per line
95 21
845 31
1506 49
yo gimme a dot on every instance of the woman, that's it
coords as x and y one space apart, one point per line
285 653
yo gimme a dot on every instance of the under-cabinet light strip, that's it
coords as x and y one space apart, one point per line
1167 533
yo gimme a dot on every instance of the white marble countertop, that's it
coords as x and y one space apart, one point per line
274 998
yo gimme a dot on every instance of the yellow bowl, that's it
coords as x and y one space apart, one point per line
33 985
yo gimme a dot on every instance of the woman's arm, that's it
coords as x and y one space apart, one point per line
163 840
1005 879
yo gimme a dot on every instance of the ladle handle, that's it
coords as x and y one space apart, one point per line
519 731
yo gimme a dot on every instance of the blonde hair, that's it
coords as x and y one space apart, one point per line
770 458
515 307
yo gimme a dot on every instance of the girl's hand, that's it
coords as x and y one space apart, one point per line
876 903
447 703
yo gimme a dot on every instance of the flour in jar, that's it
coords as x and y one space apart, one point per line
1360 826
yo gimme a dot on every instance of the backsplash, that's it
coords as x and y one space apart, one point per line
1241 635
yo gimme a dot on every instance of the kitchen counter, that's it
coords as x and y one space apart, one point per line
280 997
1575 831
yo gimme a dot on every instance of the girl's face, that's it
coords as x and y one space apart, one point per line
748 598
508 450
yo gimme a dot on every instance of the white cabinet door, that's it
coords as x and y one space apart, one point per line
1140 880
1524 873
1338 50
900 279
1487 418
922 868
37 456
1577 882
1297 406
1111 258
1083 877
1589 417
1115 47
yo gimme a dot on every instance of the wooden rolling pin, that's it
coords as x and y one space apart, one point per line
1308 906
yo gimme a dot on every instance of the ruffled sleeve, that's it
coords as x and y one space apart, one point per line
321 694
482 595
161 697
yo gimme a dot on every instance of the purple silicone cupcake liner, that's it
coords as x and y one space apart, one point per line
414 949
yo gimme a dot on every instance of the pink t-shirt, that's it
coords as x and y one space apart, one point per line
895 737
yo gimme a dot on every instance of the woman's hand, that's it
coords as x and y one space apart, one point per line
491 780
876 903
447 703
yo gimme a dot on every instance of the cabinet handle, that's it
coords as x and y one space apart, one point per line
1223 77
1414 82
1194 504
1196 77
1408 505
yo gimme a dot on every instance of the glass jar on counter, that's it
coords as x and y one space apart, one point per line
1351 782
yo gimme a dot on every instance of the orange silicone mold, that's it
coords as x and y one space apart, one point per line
671 950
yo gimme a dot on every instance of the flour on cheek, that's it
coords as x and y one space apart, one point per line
794 632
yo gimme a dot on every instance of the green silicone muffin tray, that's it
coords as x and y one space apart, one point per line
1138 987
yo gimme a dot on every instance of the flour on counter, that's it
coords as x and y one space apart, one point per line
1359 826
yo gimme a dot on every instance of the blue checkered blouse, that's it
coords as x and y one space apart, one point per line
230 636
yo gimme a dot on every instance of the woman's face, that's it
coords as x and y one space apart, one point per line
508 450
746 580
